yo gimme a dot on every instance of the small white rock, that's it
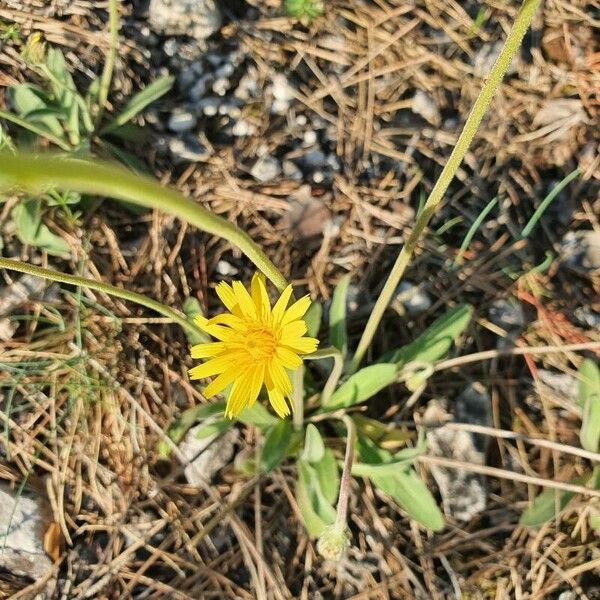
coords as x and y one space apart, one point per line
196 18
424 106
266 168
21 530
182 120
226 269
206 456
413 298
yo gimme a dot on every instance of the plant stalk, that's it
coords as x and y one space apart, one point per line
511 46
342 506
109 65
36 174
111 290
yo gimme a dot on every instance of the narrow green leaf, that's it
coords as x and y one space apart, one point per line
436 340
276 445
314 448
404 486
316 511
177 430
140 101
259 416
30 102
30 230
337 316
544 507
363 385
399 463
328 475
312 318
589 399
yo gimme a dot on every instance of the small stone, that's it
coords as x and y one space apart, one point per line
310 137
563 384
210 105
22 527
243 128
463 492
291 171
196 18
587 317
220 86
266 168
412 298
182 120
507 314
581 250
226 269
424 106
188 149
206 456
314 159
282 95
199 88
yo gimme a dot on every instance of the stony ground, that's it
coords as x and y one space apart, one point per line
321 139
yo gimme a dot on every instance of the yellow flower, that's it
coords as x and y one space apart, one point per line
257 346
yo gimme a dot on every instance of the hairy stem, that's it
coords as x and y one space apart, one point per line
511 46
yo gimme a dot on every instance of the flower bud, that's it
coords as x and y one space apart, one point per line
333 542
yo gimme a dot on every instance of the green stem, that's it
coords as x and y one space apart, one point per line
36 174
512 44
111 290
109 65
298 398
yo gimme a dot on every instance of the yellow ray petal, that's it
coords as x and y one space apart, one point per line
244 300
260 297
219 383
207 350
212 367
281 304
287 358
295 329
296 310
256 383
226 295
230 320
280 378
303 345
225 334
277 400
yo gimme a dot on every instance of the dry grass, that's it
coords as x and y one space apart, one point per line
92 391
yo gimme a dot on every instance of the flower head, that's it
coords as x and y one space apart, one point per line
257 346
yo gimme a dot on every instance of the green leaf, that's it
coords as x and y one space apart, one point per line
177 430
30 229
192 309
316 511
276 445
589 399
404 486
544 507
29 101
259 416
312 318
363 385
399 462
140 101
314 448
328 475
337 316
436 340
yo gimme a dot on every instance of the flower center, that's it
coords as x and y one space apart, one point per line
261 344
